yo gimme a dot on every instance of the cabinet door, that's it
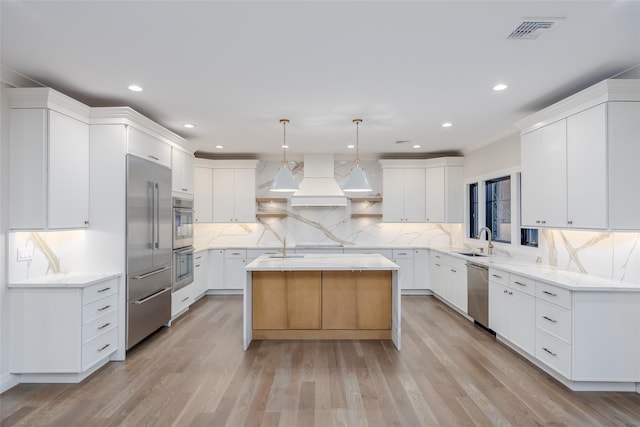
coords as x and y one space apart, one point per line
269 300
216 269
624 157
234 273
587 169
338 300
530 181
68 172
393 194
414 195
435 194
373 300
404 259
177 166
499 309
458 278
203 195
453 194
421 269
552 162
436 272
223 195
187 172
200 272
522 321
304 300
245 195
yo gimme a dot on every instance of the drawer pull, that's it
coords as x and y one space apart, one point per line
550 293
197 265
438 256
184 299
453 270
505 291
549 319
104 326
510 293
153 157
235 253
185 189
105 289
496 276
520 283
549 351
105 346
104 308
437 265
402 253
199 257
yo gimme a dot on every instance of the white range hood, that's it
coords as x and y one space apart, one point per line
318 187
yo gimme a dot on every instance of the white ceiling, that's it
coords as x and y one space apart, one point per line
235 68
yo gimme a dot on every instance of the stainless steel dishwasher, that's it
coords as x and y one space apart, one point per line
478 293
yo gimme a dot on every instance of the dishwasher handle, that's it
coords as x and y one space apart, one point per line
477 266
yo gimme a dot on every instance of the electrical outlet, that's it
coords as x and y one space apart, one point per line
25 254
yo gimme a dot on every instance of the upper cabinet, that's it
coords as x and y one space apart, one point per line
48 161
403 190
579 160
444 190
225 190
182 173
145 146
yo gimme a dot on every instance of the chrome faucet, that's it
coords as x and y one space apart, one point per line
490 247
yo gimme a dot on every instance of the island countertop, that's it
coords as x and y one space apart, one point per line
324 262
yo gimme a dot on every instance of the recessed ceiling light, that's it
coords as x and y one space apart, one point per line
135 88
189 125
351 146
417 146
447 124
500 86
219 147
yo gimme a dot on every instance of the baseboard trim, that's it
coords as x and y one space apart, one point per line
8 381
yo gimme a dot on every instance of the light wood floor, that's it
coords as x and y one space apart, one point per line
196 374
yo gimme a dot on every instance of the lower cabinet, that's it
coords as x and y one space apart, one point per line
216 269
181 300
322 301
62 330
200 274
448 279
234 274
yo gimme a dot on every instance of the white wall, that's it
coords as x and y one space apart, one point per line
500 155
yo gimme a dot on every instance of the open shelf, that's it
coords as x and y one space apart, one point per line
271 199
366 215
271 215
367 199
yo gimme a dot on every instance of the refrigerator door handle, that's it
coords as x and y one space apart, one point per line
156 212
142 301
143 276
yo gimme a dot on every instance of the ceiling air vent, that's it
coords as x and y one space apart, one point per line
534 28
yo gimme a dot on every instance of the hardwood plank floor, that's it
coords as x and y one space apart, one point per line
195 373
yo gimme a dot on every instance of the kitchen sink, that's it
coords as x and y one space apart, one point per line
473 254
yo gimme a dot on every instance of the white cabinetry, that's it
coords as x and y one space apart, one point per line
48 161
403 189
512 308
62 330
404 259
448 279
181 172
421 269
436 273
141 144
444 197
200 273
234 273
216 269
230 193
579 160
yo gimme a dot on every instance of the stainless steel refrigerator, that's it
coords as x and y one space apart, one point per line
149 251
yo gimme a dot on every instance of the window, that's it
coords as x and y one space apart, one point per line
473 210
529 237
498 208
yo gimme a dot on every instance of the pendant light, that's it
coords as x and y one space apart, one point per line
284 182
357 179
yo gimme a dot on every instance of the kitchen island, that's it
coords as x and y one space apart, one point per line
322 297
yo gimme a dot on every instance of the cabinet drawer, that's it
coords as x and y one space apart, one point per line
99 290
554 353
235 254
181 300
99 326
458 264
522 284
554 320
499 276
402 253
99 348
553 294
99 308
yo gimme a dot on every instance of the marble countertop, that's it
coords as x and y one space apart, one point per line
61 280
565 279
322 262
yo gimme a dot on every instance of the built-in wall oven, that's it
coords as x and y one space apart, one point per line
182 243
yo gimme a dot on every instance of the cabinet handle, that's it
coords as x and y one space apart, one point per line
510 293
86 223
496 276
235 253
549 351
105 289
520 283
199 257
549 319
105 346
437 265
569 222
544 222
438 256
104 326
153 157
505 291
184 299
453 270
537 221
185 189
197 265
104 308
550 293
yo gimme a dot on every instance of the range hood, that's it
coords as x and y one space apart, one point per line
318 187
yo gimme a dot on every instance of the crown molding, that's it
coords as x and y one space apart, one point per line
44 97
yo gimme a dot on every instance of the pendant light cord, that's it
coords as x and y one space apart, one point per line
284 140
357 122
